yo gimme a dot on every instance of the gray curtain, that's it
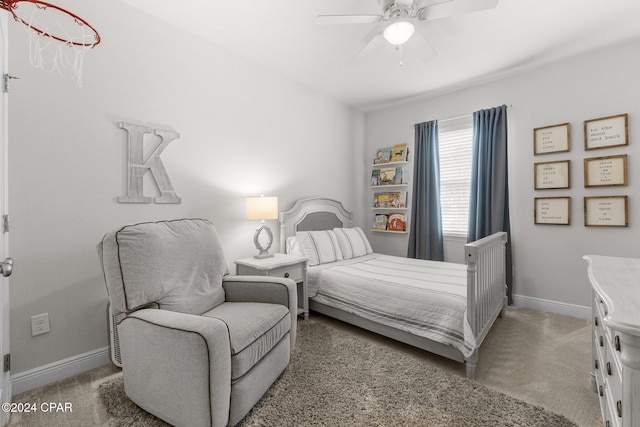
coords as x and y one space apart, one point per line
425 237
489 197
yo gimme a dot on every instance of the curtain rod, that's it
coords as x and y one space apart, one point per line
457 117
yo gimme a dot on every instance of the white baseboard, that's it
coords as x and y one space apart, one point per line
552 306
59 370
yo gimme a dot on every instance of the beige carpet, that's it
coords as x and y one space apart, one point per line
541 358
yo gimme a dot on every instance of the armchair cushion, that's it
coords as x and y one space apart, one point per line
172 265
254 330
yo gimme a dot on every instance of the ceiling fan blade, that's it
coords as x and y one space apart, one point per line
371 42
419 45
347 19
454 7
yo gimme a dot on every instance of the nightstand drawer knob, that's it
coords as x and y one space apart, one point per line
617 341
286 275
609 368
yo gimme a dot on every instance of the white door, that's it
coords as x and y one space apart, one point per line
5 263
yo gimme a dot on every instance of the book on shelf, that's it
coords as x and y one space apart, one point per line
383 155
387 176
391 199
399 153
396 222
380 222
381 200
397 199
375 177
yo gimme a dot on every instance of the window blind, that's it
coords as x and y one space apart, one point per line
454 140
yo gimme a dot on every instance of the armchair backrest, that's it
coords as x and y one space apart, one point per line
174 265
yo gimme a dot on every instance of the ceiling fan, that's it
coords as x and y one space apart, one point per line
397 22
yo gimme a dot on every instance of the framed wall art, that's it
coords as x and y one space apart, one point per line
606 211
606 132
550 175
605 171
551 139
552 210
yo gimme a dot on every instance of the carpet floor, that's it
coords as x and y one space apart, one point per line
341 375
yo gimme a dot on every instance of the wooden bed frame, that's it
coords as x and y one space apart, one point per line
486 287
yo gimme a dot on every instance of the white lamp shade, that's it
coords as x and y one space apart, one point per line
399 32
259 208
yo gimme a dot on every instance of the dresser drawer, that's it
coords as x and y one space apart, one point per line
294 272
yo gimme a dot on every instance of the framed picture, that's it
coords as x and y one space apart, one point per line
549 175
551 139
552 210
606 132
606 211
605 171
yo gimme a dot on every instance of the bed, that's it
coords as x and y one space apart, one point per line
441 307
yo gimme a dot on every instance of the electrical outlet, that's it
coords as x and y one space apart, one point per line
39 324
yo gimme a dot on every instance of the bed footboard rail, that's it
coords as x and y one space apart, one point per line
486 282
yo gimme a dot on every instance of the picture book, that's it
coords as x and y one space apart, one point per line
398 177
375 177
383 155
397 199
381 200
396 222
387 176
380 222
399 153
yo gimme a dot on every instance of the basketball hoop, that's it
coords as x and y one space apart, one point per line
58 39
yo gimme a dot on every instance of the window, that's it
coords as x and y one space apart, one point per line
454 140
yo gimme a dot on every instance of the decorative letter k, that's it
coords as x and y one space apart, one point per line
137 166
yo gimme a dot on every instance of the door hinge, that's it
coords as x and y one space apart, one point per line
5 223
7 362
5 81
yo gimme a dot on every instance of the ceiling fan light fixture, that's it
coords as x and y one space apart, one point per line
399 32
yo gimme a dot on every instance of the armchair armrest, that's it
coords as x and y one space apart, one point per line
274 290
166 354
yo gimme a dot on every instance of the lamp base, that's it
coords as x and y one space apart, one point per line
264 252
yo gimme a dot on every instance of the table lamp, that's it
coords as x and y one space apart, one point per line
260 209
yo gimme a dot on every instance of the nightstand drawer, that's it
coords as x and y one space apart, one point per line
291 271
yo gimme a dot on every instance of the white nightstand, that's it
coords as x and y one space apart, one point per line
280 265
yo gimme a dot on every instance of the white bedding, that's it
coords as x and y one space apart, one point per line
425 298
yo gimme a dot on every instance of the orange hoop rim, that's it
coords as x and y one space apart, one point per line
11 5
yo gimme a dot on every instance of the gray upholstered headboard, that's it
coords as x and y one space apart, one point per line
312 214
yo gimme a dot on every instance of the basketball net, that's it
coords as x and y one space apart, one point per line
58 39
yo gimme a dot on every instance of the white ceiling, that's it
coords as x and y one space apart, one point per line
518 34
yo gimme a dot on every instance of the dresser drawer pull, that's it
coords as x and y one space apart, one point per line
617 341
601 341
609 368
619 408
601 391
286 275
597 367
595 320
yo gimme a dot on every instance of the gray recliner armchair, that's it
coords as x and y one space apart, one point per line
199 347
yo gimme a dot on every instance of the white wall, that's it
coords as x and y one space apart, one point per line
548 262
243 131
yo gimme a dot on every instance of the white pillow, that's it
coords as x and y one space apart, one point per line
292 247
319 247
353 242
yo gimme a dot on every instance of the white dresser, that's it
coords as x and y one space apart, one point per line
616 338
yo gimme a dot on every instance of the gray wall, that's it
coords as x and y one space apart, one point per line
243 131
548 262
